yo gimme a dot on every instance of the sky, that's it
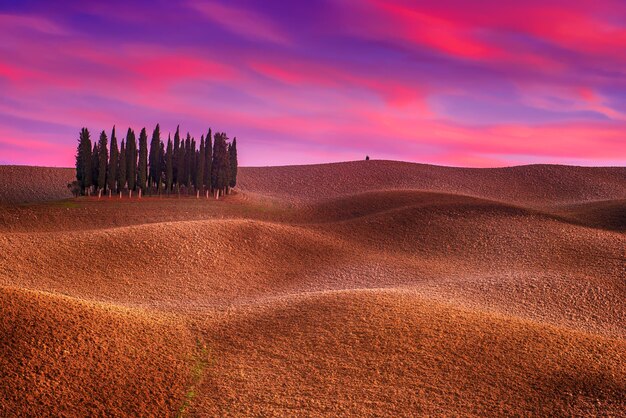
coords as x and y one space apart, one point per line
481 83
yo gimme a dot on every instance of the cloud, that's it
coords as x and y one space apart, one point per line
242 22
492 84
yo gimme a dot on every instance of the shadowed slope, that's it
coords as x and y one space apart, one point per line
610 214
368 352
63 357
19 184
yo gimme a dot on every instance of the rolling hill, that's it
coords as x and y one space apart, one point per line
360 288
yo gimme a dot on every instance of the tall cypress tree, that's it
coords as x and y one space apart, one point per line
169 165
142 167
154 156
121 168
192 163
161 169
113 163
215 160
95 160
232 151
103 158
200 165
176 166
220 170
131 160
208 151
187 161
83 161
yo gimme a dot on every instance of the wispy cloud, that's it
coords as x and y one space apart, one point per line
242 22
432 81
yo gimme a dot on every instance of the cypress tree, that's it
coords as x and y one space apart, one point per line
103 158
95 159
80 170
154 157
224 170
192 163
161 170
83 161
176 158
169 165
131 160
113 162
232 151
121 169
187 161
220 171
142 174
215 160
200 166
208 150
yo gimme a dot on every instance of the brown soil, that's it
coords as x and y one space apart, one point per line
19 184
401 289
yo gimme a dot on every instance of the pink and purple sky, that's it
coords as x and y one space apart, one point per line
482 83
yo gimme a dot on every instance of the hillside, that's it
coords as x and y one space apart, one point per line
361 288
21 184
532 184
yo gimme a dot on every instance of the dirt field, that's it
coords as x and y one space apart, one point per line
371 288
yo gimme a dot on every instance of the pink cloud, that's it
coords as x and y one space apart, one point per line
303 73
444 35
26 23
241 22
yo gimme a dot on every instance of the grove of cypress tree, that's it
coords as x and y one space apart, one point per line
169 166
121 168
208 151
131 159
103 158
154 157
232 151
142 167
83 161
113 163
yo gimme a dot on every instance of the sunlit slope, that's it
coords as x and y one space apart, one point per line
392 353
64 357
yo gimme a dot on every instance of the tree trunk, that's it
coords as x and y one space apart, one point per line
110 193
120 194
139 193
207 193
130 193
197 194
99 193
